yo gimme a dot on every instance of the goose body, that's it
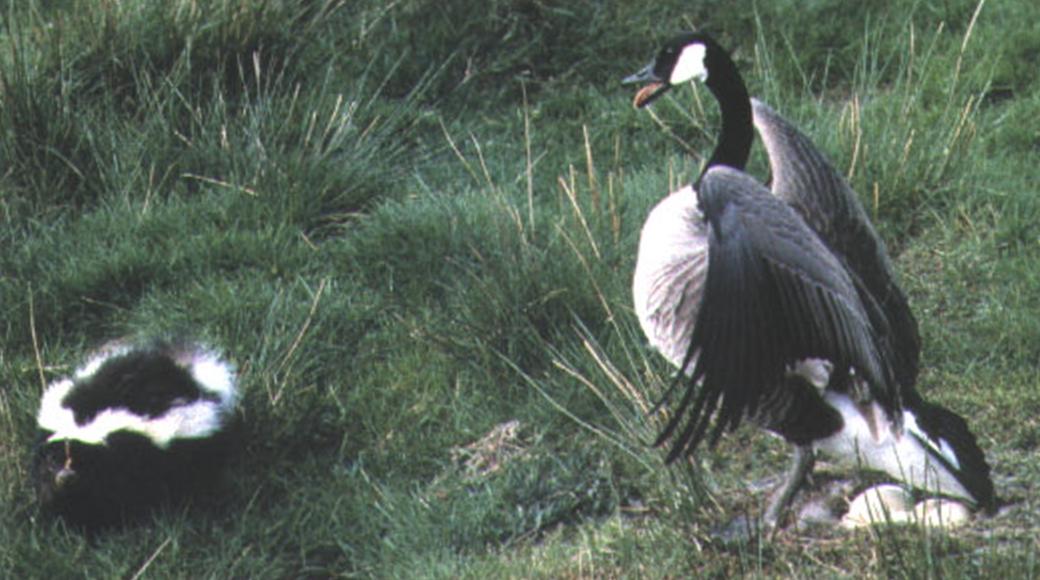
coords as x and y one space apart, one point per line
780 305
136 424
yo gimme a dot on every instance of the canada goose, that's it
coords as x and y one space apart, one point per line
134 425
779 305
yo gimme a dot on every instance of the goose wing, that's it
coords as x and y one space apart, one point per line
773 295
806 180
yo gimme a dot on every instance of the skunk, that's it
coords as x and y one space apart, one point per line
137 425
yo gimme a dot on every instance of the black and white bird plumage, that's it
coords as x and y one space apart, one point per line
135 425
780 305
773 295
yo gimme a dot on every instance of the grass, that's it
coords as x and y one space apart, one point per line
412 226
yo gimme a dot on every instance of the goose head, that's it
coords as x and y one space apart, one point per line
695 56
687 57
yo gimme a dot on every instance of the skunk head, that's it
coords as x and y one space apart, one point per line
134 425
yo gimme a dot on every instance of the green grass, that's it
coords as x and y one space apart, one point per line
410 224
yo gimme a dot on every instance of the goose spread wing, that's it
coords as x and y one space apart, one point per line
804 178
774 295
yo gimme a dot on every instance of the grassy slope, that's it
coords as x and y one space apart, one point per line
410 225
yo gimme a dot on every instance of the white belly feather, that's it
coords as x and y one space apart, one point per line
670 271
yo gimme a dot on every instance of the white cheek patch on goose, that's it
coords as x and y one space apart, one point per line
689 65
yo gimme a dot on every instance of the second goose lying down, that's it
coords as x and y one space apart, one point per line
780 305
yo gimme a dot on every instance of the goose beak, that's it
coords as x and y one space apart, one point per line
645 75
655 86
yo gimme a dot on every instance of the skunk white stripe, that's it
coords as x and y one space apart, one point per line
52 415
214 375
200 418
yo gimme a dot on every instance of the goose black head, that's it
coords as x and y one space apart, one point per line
696 56
686 57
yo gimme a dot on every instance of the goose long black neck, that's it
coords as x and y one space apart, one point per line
734 145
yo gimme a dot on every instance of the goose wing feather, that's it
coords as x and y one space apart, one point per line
804 178
774 295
